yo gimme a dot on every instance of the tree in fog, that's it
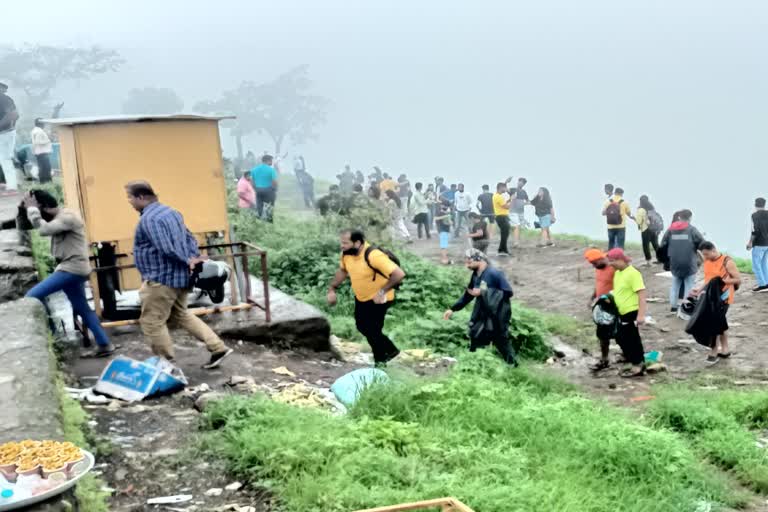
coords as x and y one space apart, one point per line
36 70
282 109
153 101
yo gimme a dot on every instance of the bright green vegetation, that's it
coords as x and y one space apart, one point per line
722 426
41 253
88 492
498 439
744 265
304 255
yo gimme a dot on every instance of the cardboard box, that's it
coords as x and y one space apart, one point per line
132 380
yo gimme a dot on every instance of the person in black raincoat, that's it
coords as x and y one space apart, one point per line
492 312
708 319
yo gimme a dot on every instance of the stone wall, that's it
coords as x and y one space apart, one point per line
17 266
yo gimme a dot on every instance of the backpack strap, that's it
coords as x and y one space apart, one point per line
366 256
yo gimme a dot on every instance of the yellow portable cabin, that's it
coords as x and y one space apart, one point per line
179 155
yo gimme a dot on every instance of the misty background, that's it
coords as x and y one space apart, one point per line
664 98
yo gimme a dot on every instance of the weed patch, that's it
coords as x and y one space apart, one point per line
499 440
723 425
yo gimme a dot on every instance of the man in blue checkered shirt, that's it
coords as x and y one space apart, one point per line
165 253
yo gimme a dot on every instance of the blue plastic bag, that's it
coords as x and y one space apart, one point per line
347 388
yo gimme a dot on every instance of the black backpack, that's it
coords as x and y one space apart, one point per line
613 213
389 255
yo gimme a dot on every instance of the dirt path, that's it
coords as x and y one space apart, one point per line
153 442
557 280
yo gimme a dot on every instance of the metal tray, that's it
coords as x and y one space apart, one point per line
65 486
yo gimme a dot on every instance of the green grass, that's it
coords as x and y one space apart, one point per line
744 265
500 440
722 425
41 253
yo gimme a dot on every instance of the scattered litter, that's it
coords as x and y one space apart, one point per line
709 388
87 395
687 341
656 368
234 507
449 360
243 384
349 352
654 356
641 398
132 380
653 300
649 320
664 274
195 390
551 361
166 500
216 491
305 395
282 370
416 353
665 329
114 405
234 486
347 388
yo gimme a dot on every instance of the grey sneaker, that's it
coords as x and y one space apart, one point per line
217 358
100 351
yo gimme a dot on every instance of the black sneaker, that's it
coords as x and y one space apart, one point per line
673 310
217 358
712 360
762 289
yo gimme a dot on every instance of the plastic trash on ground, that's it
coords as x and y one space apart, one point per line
347 388
132 380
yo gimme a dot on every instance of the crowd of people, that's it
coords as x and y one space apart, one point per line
166 256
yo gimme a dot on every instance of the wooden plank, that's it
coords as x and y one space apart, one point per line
446 504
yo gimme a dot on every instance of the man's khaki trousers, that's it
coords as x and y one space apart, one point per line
162 306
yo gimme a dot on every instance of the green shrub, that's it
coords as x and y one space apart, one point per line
304 255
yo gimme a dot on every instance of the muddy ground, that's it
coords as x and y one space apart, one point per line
153 442
558 280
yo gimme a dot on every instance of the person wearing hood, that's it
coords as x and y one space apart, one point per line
492 312
679 248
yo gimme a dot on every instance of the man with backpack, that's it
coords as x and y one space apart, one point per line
374 274
616 210
679 250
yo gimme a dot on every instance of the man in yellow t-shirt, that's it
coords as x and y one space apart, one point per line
501 204
388 184
629 295
616 210
373 280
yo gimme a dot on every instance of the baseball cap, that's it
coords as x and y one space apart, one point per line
618 254
593 255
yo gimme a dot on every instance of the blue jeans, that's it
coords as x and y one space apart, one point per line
686 283
73 286
760 265
616 238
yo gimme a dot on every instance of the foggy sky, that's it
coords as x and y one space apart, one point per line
665 98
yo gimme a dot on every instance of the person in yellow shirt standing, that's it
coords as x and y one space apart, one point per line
373 276
501 205
616 210
629 295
